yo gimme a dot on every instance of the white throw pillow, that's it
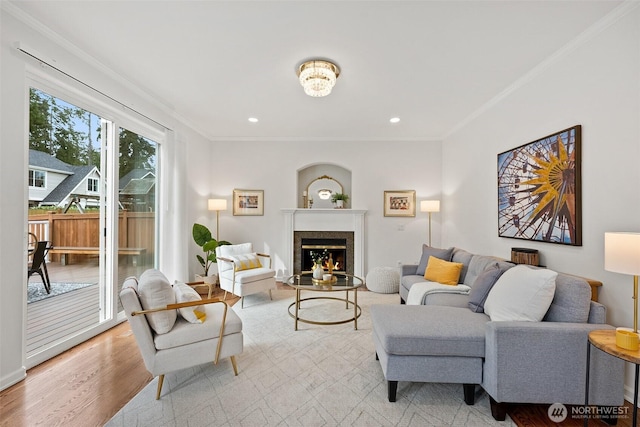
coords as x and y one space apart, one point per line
155 291
185 293
521 294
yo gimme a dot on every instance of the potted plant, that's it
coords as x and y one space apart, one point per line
202 237
339 199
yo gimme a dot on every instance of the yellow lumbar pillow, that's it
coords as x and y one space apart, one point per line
442 271
246 262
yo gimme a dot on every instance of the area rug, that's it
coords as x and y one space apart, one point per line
36 291
316 376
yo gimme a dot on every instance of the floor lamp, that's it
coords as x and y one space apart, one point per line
622 255
430 206
217 205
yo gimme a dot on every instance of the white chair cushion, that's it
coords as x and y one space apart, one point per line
184 332
248 276
185 293
521 294
155 291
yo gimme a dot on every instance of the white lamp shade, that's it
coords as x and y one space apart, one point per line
217 204
430 206
622 253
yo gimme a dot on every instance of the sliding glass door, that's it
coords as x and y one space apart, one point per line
92 199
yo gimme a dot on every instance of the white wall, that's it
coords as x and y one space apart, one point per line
375 167
597 85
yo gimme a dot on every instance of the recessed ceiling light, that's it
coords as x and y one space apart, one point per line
394 119
253 120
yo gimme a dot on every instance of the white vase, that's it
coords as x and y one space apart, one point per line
318 271
339 204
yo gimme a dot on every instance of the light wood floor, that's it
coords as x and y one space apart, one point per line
88 384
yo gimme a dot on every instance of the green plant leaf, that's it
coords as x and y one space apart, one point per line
201 234
202 263
209 246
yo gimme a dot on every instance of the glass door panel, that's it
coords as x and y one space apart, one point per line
65 210
137 222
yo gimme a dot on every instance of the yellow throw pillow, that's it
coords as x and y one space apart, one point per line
246 262
444 272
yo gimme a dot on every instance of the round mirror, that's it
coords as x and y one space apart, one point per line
320 191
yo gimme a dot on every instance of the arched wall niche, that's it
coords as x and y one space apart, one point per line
308 174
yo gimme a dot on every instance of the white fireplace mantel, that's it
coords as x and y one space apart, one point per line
296 219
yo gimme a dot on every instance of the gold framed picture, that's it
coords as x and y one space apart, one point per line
248 202
400 203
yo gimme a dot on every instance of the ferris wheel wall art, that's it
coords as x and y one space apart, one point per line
539 190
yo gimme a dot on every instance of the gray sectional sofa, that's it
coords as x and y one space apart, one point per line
446 339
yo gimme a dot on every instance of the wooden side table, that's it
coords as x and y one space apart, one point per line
605 340
200 284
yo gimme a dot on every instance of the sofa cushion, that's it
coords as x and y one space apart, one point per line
429 331
442 271
460 255
572 300
482 285
521 294
479 263
155 291
428 251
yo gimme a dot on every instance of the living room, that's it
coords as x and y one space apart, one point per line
588 76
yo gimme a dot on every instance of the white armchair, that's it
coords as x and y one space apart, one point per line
169 342
242 271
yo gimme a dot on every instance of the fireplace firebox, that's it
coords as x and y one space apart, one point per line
334 248
337 243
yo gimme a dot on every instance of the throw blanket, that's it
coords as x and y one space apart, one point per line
419 291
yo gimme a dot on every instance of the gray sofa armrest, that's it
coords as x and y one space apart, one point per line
408 269
597 313
545 362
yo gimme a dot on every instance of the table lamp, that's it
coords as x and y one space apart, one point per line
217 205
430 206
622 255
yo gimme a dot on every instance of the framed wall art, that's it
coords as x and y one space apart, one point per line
539 189
400 203
248 202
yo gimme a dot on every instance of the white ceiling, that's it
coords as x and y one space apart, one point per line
214 64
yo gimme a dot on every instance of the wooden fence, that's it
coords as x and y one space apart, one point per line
135 230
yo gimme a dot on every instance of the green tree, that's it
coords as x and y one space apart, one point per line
136 152
40 128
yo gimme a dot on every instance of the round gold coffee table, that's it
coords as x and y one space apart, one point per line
340 282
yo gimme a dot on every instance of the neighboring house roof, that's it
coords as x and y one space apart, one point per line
67 187
42 160
138 186
134 174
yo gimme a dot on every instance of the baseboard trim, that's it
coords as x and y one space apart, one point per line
13 378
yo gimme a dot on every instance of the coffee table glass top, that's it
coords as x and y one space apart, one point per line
342 282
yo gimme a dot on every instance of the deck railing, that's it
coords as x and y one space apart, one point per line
135 229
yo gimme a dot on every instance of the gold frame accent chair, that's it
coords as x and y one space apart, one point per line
185 344
242 271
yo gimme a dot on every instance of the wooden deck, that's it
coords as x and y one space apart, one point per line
52 319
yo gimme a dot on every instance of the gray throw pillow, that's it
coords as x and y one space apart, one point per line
482 285
428 251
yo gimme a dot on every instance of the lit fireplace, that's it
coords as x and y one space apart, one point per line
337 243
336 249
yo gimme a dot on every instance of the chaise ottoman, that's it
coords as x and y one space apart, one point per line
429 344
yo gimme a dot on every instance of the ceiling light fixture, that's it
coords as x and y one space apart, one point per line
394 120
253 120
318 77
